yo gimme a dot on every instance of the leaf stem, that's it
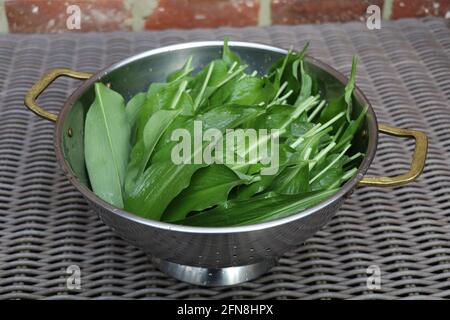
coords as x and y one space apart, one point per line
353 157
232 67
299 140
322 154
205 83
330 164
316 110
186 69
178 94
231 76
329 123
339 131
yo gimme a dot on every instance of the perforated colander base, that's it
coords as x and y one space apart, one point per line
45 225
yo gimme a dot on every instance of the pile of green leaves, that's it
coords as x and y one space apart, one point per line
128 145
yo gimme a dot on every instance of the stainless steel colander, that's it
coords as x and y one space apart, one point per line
208 256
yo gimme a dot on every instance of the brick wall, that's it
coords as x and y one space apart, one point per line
127 15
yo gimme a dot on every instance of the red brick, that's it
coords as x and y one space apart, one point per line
316 11
419 8
50 15
186 14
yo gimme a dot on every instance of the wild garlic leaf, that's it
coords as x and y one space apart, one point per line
284 71
228 56
143 149
247 191
211 79
153 130
209 186
182 73
342 103
264 181
332 175
348 92
159 96
106 144
276 71
251 91
283 127
213 73
334 108
306 84
332 162
352 129
292 180
259 209
164 180
289 58
133 107
221 118
157 186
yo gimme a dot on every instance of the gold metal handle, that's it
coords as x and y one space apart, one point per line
43 83
417 164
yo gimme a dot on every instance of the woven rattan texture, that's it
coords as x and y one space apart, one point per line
45 225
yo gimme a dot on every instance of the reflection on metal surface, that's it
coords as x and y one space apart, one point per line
214 276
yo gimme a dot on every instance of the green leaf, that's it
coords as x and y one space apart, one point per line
276 71
228 56
332 166
209 186
159 96
250 91
263 182
306 87
292 180
246 192
159 184
334 108
221 118
349 88
284 71
256 210
133 107
143 149
164 180
283 127
342 103
154 129
210 79
299 128
351 129
106 144
181 73
331 175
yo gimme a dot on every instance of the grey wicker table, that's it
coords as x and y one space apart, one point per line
45 225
